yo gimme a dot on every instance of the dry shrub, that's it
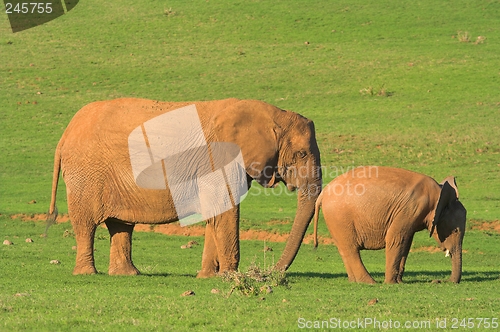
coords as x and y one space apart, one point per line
380 92
463 36
169 12
480 40
69 233
255 280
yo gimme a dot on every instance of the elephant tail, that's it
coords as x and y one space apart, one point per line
316 217
52 215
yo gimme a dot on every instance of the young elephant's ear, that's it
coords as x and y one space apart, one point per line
448 195
452 182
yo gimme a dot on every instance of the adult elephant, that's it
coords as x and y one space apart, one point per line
114 176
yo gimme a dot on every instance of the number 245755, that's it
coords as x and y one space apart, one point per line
28 8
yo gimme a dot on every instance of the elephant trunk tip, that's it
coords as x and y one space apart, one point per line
456 271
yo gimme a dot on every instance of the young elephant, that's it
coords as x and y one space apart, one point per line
380 207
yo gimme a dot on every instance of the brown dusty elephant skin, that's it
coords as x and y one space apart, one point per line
380 207
96 163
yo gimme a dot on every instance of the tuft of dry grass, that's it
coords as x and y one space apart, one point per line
380 92
69 233
169 12
255 280
479 40
465 37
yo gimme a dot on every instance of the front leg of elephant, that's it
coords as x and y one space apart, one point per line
397 249
120 256
221 251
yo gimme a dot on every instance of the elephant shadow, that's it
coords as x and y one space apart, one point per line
321 275
170 275
467 276
410 277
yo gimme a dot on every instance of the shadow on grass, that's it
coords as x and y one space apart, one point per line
413 277
467 276
163 274
317 275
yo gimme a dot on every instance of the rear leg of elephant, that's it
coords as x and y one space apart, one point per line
120 255
343 235
209 260
227 240
221 251
84 234
355 268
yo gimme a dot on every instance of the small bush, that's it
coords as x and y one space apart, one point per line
463 37
380 92
168 12
69 233
480 40
255 280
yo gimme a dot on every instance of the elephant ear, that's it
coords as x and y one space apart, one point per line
449 193
250 125
451 181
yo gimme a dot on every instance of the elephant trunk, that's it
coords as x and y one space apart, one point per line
306 200
456 266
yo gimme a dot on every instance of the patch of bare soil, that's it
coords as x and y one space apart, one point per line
198 230
39 217
195 230
431 249
485 225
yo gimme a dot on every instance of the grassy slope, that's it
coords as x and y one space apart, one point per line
442 118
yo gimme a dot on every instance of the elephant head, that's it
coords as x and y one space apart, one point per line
277 146
449 223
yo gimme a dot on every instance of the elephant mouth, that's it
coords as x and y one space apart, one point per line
279 178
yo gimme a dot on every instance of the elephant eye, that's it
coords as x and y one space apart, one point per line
301 154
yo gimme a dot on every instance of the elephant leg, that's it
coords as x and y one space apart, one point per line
209 260
227 237
84 234
399 278
120 256
221 251
343 235
396 252
350 272
406 250
356 270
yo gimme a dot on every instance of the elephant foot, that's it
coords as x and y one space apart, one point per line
84 270
123 271
206 274
366 280
369 282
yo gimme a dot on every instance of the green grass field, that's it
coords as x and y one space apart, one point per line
413 85
38 295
